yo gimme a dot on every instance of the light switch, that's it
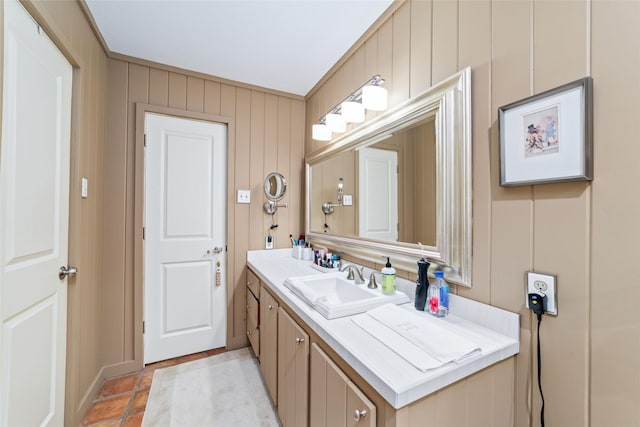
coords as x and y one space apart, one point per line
85 187
244 196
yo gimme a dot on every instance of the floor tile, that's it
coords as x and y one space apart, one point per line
215 351
139 401
111 423
145 379
134 420
118 385
106 409
161 364
190 357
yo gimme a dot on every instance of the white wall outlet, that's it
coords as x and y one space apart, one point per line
543 284
244 196
85 188
347 200
268 242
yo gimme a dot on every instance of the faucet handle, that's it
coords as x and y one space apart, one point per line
372 281
350 275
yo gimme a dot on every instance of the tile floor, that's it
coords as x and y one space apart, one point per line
121 401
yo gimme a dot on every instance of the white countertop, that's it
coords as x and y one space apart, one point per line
494 329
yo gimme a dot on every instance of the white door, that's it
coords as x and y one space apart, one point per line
185 236
378 194
34 221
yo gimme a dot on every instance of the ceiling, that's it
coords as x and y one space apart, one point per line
284 45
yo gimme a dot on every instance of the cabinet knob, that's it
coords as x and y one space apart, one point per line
271 307
299 340
248 282
359 414
248 333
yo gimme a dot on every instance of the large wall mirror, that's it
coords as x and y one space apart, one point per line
405 184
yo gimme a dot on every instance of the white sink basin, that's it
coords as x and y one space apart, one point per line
334 296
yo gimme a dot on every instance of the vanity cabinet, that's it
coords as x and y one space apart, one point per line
293 372
253 324
269 342
334 399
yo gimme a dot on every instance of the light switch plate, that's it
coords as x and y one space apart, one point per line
244 196
543 284
268 242
85 187
347 200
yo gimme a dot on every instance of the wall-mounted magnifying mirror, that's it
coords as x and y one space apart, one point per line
275 187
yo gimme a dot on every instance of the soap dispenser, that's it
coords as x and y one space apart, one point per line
388 278
422 285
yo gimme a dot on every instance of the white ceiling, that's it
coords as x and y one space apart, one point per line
287 45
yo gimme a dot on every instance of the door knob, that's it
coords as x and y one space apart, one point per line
215 250
67 271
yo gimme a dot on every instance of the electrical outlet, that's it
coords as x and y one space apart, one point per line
347 200
268 242
543 284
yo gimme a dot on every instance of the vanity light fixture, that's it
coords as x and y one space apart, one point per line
369 96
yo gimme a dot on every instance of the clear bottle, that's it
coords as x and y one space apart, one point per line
438 296
388 278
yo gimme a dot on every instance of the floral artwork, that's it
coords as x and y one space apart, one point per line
541 132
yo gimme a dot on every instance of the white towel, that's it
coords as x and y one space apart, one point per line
306 293
400 345
428 333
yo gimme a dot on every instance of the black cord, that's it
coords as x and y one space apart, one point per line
539 316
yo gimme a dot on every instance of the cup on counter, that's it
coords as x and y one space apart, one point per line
297 251
307 254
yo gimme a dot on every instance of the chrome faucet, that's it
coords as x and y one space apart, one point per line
358 277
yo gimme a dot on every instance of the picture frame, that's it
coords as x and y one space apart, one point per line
548 137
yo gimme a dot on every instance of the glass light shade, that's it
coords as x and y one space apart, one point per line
321 132
352 112
335 122
374 98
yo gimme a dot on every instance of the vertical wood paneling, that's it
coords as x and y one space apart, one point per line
158 87
615 325
284 146
195 94
256 165
296 167
212 97
444 40
385 59
177 91
138 92
474 51
114 186
271 149
420 47
401 54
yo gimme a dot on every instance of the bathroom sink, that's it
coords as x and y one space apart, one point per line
332 295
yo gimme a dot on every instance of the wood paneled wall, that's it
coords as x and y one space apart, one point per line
516 49
66 24
266 136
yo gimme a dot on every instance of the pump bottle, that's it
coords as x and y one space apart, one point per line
388 278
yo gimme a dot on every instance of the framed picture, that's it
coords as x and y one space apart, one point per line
548 137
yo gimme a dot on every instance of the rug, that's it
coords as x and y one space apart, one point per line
225 390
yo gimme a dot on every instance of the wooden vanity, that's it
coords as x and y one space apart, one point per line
320 372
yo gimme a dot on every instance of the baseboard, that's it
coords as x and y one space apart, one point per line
106 372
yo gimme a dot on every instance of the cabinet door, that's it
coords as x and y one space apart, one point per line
253 283
253 333
335 401
269 342
293 372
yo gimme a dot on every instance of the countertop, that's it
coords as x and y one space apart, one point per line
398 382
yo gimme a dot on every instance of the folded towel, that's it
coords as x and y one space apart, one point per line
400 345
428 333
306 293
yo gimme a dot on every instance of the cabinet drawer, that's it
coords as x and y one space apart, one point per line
253 307
253 333
253 283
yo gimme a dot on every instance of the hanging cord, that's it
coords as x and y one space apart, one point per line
539 316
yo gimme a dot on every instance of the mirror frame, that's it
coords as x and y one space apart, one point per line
450 102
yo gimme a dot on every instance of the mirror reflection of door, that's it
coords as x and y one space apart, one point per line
378 191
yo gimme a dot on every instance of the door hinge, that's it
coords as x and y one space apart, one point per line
145 139
143 233
143 326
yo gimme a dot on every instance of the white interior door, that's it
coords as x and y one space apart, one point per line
34 221
378 194
185 236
